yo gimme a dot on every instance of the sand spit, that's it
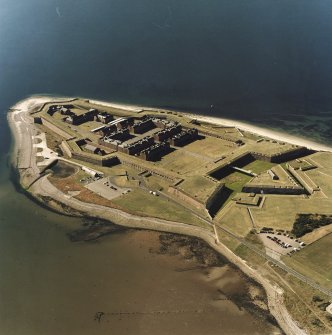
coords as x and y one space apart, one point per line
22 126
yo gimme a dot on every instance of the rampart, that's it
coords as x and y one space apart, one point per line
56 129
65 149
269 189
139 167
184 196
211 134
225 169
307 184
95 159
188 198
214 196
89 158
60 102
284 156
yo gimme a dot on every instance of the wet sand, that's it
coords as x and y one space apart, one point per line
123 283
167 292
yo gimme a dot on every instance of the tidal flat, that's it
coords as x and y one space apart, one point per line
128 282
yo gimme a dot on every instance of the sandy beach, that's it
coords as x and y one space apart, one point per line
130 108
264 132
33 101
44 188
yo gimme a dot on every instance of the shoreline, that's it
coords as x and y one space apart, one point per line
42 187
258 130
264 132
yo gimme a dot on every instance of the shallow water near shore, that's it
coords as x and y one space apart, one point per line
120 284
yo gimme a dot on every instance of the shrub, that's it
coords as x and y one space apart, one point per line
306 223
317 298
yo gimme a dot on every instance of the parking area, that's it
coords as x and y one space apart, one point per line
106 189
278 244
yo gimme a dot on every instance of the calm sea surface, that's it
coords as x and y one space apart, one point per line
261 61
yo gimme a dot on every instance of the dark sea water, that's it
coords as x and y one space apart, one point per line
261 61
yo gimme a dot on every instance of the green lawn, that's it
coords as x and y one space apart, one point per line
199 186
314 261
210 147
181 162
142 203
227 240
234 183
279 212
237 220
259 166
247 254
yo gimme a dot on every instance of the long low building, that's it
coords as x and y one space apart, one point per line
155 151
142 126
77 119
136 147
184 137
167 133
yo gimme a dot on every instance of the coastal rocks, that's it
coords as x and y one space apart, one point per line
232 284
94 229
58 206
190 248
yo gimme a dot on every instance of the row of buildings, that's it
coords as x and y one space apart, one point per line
116 133
149 147
74 118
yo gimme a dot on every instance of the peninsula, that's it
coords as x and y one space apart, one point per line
262 199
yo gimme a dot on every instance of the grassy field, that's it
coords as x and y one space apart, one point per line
199 186
302 305
156 183
60 124
249 255
229 241
315 261
322 178
237 220
211 147
322 159
268 147
234 183
317 234
259 166
145 204
280 211
181 163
